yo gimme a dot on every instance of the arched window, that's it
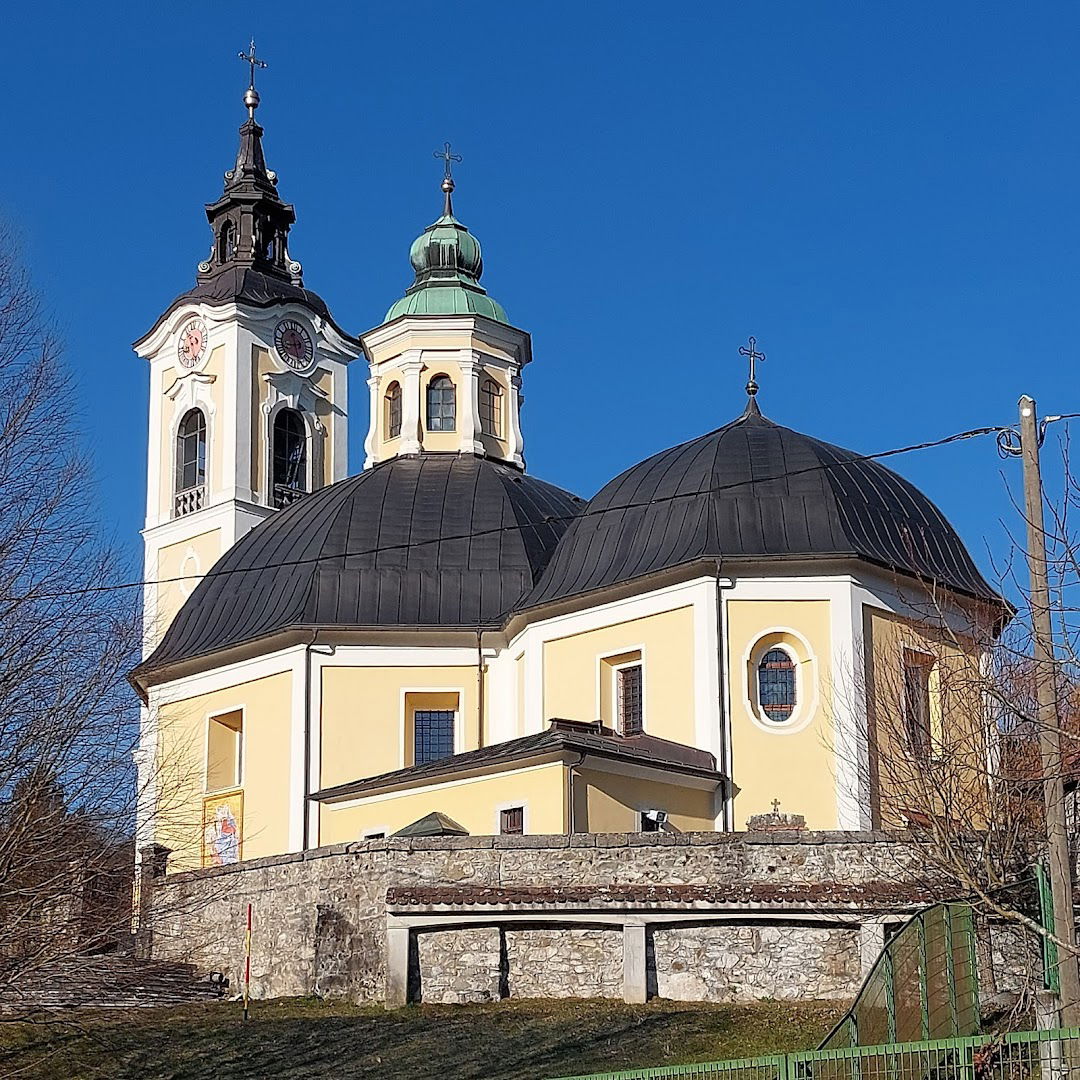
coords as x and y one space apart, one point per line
190 462
392 419
491 408
776 685
290 457
441 404
226 241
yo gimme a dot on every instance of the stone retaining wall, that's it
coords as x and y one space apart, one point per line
320 917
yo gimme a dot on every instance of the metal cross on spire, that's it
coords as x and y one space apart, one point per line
448 160
753 355
251 95
251 59
448 177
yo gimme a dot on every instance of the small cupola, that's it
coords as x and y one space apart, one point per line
448 263
446 363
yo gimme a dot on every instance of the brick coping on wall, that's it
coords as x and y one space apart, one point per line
551 843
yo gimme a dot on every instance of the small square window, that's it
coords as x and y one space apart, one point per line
512 821
650 821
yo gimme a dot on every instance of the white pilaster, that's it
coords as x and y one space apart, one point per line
373 434
410 367
516 439
469 413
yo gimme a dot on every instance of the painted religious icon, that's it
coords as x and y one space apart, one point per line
223 828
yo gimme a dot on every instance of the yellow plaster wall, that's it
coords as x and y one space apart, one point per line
958 733
612 803
666 641
172 563
471 803
362 716
796 767
181 773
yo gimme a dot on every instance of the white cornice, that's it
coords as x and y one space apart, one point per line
260 321
478 326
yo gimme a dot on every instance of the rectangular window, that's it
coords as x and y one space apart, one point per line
433 735
917 671
223 751
649 823
629 702
512 821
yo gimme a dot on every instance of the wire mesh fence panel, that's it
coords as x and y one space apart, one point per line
1024 1055
965 976
922 986
763 1068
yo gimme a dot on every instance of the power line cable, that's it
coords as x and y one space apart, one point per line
959 436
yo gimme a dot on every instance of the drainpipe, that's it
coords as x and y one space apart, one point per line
480 669
570 795
722 682
309 648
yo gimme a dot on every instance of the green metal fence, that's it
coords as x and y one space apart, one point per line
1020 1055
924 985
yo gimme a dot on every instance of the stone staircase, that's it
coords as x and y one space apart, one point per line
112 981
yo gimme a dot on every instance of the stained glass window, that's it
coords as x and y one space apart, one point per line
776 685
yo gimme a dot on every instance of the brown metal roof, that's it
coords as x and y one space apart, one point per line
562 735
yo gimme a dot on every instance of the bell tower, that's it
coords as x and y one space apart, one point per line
248 400
446 363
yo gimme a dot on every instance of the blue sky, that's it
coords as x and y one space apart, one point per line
884 194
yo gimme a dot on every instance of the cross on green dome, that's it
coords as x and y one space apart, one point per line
448 264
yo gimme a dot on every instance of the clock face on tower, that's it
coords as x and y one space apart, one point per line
293 343
192 342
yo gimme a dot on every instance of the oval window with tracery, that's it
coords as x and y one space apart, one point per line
776 685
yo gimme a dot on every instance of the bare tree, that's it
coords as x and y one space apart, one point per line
67 717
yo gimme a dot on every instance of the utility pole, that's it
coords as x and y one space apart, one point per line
1057 838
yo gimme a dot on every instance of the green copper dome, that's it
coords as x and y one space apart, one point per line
448 265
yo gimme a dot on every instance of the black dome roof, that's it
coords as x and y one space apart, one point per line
431 540
753 489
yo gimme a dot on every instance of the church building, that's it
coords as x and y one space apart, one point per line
442 642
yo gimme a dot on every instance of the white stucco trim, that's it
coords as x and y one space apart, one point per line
516 804
241 748
459 726
806 679
614 682
293 660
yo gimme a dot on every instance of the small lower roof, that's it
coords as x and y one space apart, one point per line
572 735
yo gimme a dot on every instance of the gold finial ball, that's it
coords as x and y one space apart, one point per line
251 98
448 184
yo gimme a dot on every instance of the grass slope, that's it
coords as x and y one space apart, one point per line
301 1039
